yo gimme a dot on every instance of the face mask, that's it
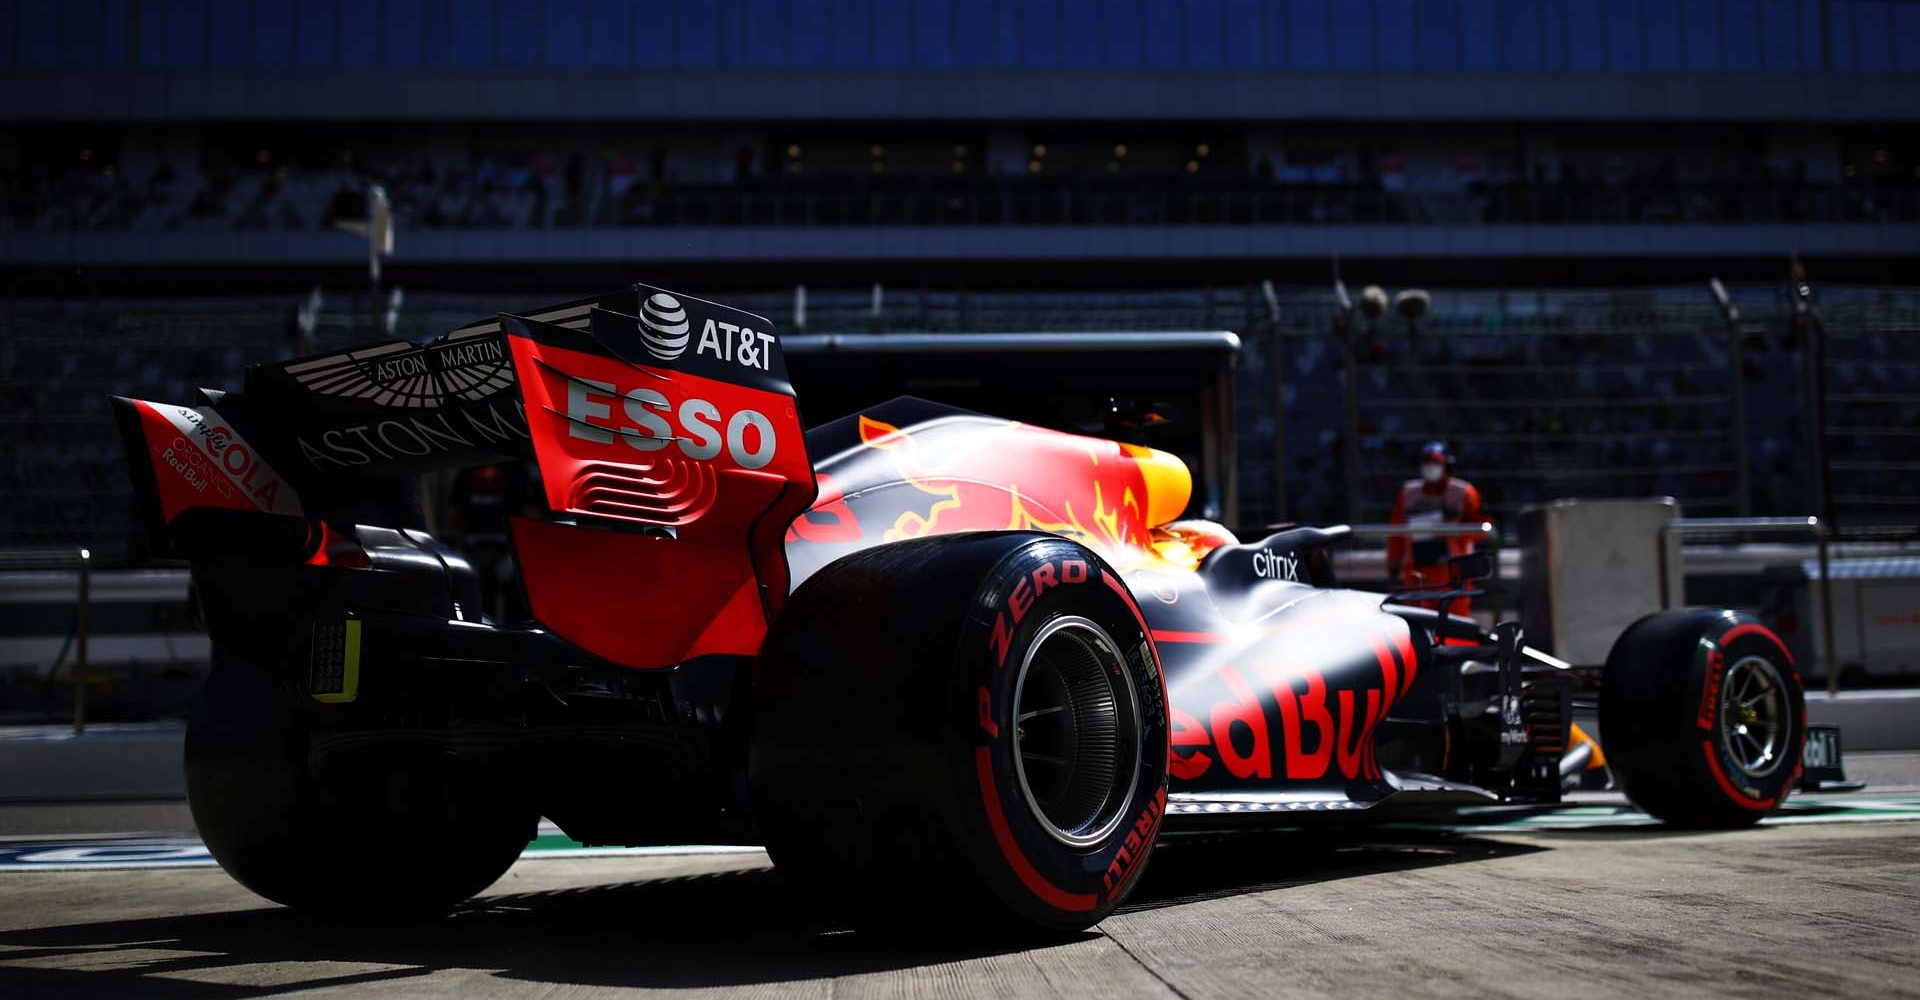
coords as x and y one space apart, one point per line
1432 472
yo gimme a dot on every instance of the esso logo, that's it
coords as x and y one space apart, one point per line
747 435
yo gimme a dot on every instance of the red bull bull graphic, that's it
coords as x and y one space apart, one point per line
911 469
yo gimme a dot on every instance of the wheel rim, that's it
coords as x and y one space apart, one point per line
1076 741
1753 716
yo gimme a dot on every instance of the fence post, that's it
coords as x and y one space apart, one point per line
1275 356
1343 332
1274 344
1736 359
1352 435
80 667
1813 328
1826 616
1810 337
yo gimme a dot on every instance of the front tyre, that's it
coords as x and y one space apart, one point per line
967 731
1702 716
406 837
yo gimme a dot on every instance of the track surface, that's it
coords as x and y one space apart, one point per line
1787 910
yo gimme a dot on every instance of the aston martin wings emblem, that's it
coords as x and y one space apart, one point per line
401 375
471 364
358 375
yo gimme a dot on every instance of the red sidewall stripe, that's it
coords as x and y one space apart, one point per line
1733 794
1023 869
1126 597
1166 718
1707 745
1760 630
1003 833
1036 883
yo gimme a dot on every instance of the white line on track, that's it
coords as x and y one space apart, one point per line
53 855
79 853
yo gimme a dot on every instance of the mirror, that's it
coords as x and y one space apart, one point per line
1472 566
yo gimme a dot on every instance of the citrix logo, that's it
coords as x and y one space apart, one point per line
1276 566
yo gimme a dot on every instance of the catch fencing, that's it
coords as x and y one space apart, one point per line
1542 393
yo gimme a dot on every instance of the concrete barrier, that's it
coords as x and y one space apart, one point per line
1870 720
107 762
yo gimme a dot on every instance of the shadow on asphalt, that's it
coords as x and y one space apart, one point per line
720 929
1188 869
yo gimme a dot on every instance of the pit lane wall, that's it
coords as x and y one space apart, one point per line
134 761
147 652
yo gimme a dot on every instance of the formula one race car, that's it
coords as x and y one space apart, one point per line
947 668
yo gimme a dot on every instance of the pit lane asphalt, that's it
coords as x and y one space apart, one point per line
1780 911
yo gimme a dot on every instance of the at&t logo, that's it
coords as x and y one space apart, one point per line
663 326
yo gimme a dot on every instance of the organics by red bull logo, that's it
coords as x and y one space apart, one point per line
206 452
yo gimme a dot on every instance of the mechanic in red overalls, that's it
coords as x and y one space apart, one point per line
1437 497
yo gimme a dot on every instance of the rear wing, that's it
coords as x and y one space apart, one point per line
401 408
664 428
678 423
203 487
322 437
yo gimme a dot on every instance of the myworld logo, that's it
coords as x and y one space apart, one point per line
663 326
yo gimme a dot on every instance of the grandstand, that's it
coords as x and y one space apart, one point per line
976 143
465 190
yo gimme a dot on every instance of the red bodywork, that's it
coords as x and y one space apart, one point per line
201 461
717 469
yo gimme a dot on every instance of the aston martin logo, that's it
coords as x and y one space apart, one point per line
404 376
663 326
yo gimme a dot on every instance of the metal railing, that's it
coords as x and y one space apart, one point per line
80 559
1161 203
1143 201
1480 529
1808 525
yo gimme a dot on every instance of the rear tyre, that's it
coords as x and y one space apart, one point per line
410 837
966 731
1702 717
